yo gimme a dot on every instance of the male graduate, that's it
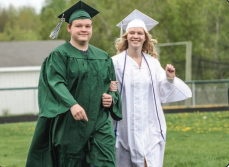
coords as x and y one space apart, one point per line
74 127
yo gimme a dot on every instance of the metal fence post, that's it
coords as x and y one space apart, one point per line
228 93
193 94
34 101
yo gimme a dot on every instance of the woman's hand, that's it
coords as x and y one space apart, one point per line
170 71
113 86
106 100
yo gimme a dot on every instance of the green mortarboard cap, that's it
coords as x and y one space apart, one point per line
78 11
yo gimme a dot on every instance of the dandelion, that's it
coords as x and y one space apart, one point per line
186 129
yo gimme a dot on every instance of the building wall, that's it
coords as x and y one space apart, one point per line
23 100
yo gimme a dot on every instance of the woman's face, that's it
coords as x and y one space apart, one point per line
136 37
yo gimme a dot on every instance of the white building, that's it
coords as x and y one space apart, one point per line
20 64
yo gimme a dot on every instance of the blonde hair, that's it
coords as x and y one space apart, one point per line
148 47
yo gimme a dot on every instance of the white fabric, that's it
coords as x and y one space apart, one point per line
136 14
136 23
138 134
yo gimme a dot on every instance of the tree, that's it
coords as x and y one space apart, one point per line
22 24
203 23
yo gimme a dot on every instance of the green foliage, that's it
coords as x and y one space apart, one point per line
19 24
49 19
4 17
203 23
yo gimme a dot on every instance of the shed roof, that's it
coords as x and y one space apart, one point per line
26 53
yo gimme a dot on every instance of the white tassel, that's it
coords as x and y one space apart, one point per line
56 30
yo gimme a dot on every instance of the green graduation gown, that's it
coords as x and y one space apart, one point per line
69 77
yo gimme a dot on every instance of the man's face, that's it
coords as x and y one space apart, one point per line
81 30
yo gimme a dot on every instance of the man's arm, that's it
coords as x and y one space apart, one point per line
116 106
53 85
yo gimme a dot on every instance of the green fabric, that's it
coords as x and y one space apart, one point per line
79 5
79 14
69 77
39 153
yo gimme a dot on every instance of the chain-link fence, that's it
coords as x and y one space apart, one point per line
212 93
205 94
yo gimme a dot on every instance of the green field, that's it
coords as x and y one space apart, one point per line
193 140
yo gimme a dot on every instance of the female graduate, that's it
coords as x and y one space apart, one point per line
143 85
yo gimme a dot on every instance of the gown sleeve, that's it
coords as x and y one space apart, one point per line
170 92
54 97
116 108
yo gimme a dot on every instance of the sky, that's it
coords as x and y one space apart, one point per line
37 4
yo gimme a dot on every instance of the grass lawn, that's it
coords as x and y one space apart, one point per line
15 139
197 140
193 140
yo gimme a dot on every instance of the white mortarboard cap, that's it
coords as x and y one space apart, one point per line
137 19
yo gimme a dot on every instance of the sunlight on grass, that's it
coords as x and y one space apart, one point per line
193 140
15 140
197 139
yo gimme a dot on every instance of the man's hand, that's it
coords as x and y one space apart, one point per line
170 71
106 100
78 112
113 86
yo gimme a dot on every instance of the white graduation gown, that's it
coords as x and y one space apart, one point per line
139 132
